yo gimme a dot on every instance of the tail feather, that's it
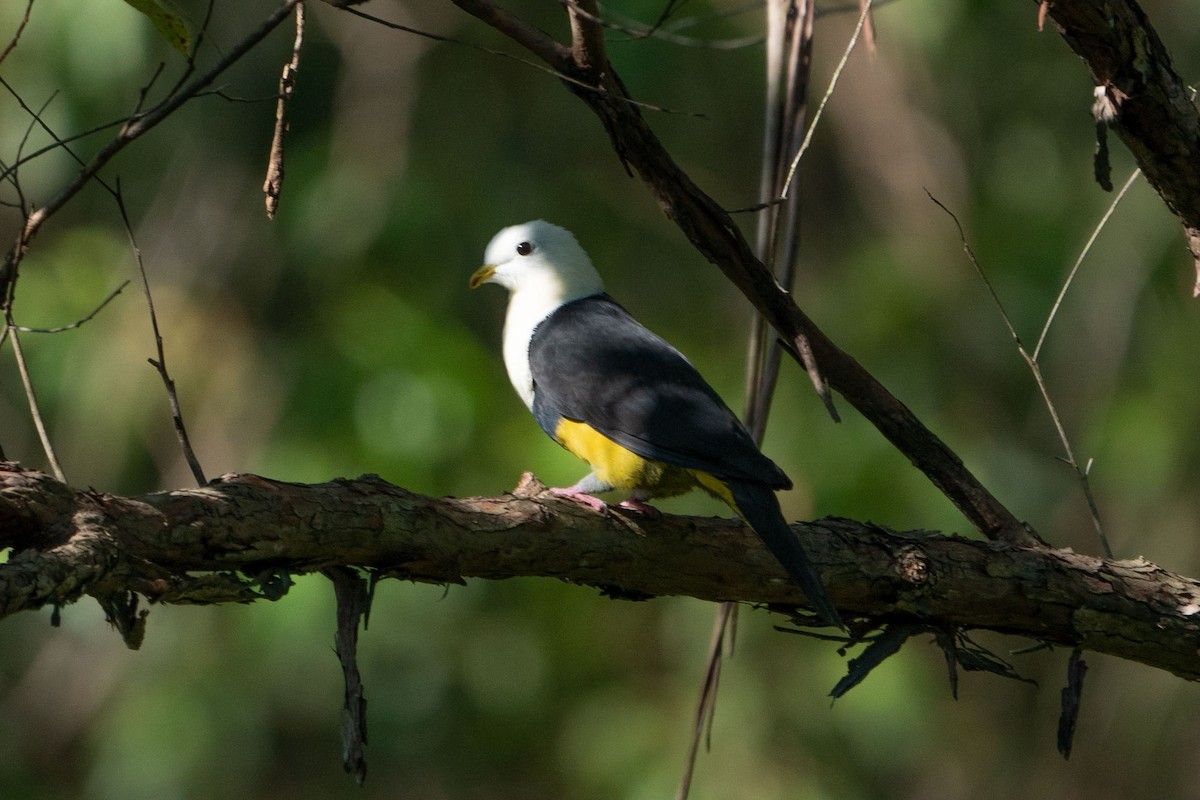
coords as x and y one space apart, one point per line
760 508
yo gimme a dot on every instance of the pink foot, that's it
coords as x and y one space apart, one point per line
579 496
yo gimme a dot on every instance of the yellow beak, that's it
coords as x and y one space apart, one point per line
481 276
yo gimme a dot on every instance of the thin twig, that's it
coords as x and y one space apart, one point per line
190 68
34 409
12 43
1035 369
35 120
638 31
132 129
79 323
160 363
273 184
13 179
754 209
137 126
718 239
144 92
768 188
1082 255
846 8
59 142
799 67
788 63
837 73
670 33
542 45
708 694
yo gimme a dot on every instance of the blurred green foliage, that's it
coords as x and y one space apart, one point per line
340 339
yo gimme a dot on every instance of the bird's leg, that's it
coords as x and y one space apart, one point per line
584 492
637 502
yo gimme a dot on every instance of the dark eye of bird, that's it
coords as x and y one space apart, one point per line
524 249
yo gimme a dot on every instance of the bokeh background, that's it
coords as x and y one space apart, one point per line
340 339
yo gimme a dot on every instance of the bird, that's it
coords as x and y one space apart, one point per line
622 399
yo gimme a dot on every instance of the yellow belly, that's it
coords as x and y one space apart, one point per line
624 469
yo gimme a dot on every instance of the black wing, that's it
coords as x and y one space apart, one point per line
593 362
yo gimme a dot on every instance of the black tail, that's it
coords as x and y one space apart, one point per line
760 508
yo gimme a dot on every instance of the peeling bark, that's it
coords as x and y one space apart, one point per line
210 545
1154 111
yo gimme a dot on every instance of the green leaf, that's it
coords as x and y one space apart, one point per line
170 25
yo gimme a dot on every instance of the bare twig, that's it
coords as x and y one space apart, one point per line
553 53
715 236
1152 110
768 192
1078 261
706 707
846 8
837 73
131 130
144 92
190 69
77 323
31 398
788 65
35 120
1081 472
58 143
160 363
538 42
12 43
9 272
637 30
798 66
273 184
140 124
670 32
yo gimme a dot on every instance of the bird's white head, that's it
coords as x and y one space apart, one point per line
543 267
540 260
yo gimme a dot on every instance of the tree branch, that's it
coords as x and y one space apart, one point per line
133 128
1155 113
198 546
714 234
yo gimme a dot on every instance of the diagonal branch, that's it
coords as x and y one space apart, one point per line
1155 113
138 125
183 546
714 234
587 38
12 43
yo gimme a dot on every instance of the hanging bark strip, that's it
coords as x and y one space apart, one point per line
1153 111
273 185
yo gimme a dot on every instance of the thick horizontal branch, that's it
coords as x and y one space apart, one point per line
198 545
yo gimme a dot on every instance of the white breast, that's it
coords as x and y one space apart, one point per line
526 309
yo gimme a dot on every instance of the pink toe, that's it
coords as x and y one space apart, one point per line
571 493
